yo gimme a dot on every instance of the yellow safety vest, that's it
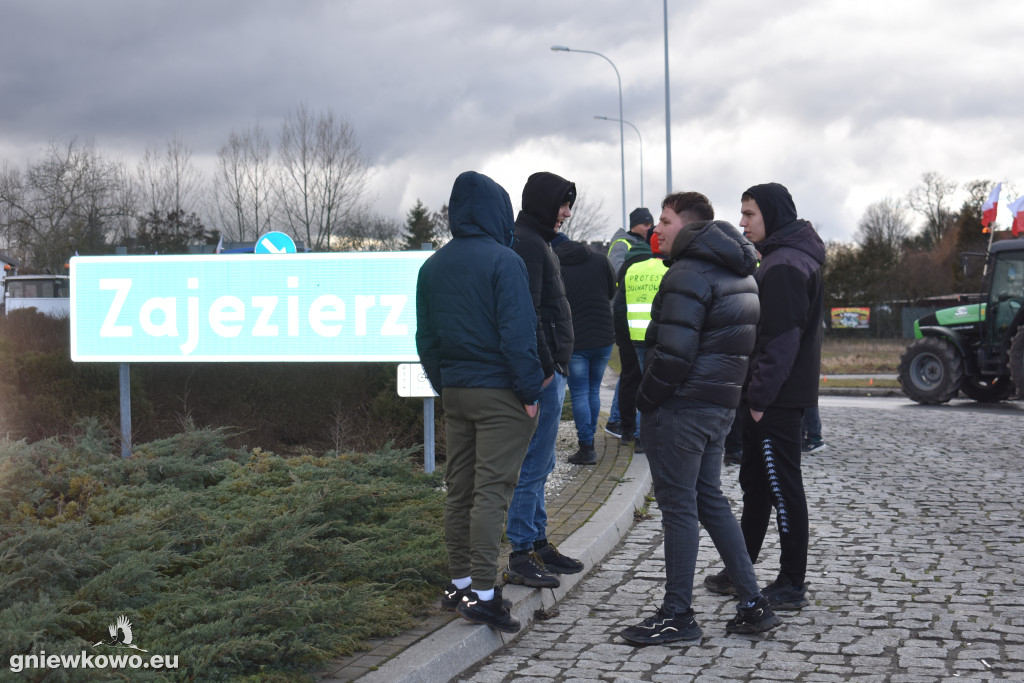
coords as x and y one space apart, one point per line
640 285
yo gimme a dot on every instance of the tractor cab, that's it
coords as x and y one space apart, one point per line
978 347
1005 288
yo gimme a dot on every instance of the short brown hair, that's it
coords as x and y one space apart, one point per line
696 206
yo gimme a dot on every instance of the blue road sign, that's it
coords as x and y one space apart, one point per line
245 307
275 243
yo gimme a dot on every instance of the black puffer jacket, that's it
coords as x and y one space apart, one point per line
589 284
543 194
703 319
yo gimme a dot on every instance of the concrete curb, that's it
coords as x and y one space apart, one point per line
451 650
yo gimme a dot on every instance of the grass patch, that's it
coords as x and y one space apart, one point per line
859 383
241 562
854 356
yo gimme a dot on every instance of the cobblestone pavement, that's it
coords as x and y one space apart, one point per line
915 571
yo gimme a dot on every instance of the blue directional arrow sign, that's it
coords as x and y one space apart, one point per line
275 243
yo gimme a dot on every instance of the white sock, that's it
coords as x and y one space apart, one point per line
485 595
463 583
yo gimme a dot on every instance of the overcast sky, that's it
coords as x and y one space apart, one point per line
845 102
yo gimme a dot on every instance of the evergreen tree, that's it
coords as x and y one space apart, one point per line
420 228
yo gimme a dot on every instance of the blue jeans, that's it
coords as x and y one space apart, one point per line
586 370
527 518
613 412
684 450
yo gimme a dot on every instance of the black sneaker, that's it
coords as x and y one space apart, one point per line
755 618
733 457
627 439
813 446
663 628
783 595
586 455
638 447
557 563
452 596
492 612
720 583
529 570
614 428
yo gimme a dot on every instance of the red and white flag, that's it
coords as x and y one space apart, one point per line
1017 211
988 209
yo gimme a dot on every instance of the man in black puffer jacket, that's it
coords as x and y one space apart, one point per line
475 337
702 329
547 202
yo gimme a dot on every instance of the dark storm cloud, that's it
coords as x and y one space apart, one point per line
849 102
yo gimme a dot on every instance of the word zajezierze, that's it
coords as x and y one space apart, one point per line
299 307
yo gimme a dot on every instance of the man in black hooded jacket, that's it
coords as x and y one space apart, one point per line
782 382
547 202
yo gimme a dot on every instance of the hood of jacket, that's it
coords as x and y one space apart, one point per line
717 242
776 206
480 207
800 235
543 194
572 253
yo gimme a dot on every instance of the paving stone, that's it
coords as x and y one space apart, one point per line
914 577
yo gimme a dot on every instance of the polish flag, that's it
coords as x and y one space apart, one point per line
988 209
1017 211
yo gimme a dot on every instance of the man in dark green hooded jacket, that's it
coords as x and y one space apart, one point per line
476 338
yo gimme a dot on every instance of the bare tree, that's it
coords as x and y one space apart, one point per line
242 185
367 231
929 200
588 219
72 201
168 181
883 230
322 175
11 199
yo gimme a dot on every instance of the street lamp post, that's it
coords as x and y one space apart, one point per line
668 112
607 118
622 134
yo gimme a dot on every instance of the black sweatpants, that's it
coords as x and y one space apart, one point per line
770 478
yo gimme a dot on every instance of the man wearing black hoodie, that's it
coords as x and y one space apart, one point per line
783 380
547 203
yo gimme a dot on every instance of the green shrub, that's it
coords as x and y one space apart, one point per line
282 406
243 563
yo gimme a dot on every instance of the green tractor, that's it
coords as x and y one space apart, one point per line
978 347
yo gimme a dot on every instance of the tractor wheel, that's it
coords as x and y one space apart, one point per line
931 371
1017 360
987 389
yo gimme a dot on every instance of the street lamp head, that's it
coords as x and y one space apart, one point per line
559 48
